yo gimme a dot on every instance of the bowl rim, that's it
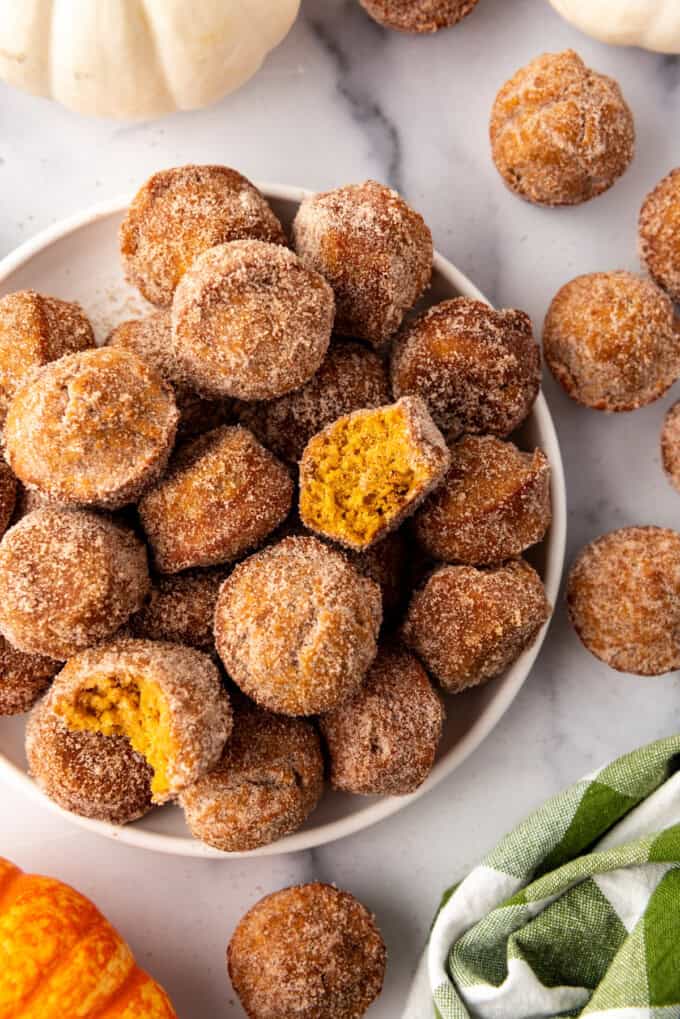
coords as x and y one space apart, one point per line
513 680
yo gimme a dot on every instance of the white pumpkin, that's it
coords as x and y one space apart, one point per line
652 24
137 58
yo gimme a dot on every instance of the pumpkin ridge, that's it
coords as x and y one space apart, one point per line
152 38
121 996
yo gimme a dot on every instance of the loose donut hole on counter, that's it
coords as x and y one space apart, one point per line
126 706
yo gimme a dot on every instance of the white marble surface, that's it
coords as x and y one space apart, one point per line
341 100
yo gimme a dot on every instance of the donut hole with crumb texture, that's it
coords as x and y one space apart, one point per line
363 474
611 340
165 698
34 330
493 504
467 624
561 133
87 773
268 781
477 369
374 250
222 495
296 626
659 234
181 212
418 15
312 951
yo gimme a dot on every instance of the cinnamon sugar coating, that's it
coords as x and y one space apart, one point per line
310 951
8 496
374 250
222 495
267 782
91 429
250 321
181 609
494 503
350 378
296 627
68 578
561 133
468 625
23 678
85 772
385 563
670 445
611 341
659 230
150 338
34 330
181 212
623 596
384 740
195 719
418 15
477 369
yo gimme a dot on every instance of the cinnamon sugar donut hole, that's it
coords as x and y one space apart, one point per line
222 495
87 773
166 699
468 624
310 951
250 321
670 445
23 678
267 782
492 505
150 338
385 563
68 579
296 627
92 429
418 15
350 378
659 230
611 341
623 595
181 212
8 496
181 609
374 250
35 330
561 133
477 369
383 741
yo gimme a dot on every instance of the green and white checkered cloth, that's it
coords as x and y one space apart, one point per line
575 913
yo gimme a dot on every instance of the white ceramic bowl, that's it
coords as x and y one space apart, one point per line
78 259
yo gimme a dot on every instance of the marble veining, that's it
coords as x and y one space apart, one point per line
341 100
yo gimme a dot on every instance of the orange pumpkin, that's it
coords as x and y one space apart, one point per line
59 957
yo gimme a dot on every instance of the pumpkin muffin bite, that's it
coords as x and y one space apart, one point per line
310 951
374 250
611 341
561 133
418 15
150 339
166 699
268 781
296 627
222 495
477 369
659 230
91 429
468 625
181 609
68 578
623 595
23 678
181 212
350 378
87 773
384 740
493 504
250 321
34 330
365 473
